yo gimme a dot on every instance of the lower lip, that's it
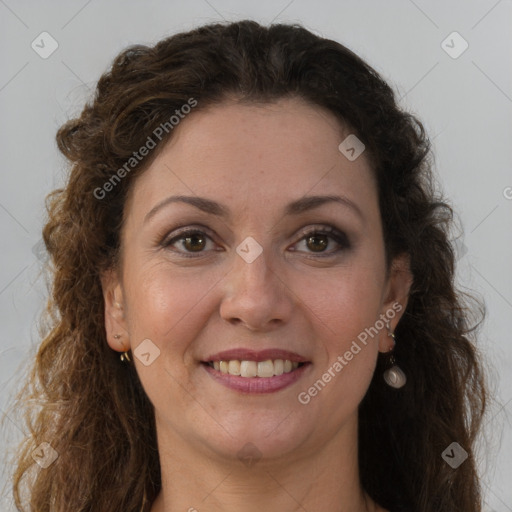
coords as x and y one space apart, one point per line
257 385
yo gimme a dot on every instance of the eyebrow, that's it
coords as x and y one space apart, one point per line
294 208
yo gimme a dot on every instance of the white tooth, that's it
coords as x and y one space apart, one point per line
234 367
266 368
278 367
248 369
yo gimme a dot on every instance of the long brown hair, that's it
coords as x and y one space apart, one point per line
92 409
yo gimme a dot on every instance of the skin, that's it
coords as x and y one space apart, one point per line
255 159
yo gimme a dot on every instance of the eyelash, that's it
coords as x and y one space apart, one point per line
338 236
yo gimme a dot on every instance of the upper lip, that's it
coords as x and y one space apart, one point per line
243 354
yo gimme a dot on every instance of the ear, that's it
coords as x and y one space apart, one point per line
396 297
115 323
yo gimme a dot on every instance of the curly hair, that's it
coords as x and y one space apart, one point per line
93 410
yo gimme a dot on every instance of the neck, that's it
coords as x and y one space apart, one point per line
324 478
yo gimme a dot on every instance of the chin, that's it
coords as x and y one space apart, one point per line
257 435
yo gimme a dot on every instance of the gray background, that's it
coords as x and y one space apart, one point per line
465 103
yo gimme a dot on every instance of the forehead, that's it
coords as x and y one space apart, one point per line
256 156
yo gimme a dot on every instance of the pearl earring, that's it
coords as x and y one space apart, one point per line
394 375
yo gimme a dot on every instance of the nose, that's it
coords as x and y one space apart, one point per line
256 295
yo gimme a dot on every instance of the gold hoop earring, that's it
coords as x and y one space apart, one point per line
125 357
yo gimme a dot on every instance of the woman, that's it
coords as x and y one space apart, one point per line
249 226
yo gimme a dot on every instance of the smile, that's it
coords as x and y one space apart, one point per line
250 369
256 377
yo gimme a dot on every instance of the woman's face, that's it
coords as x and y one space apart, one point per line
253 283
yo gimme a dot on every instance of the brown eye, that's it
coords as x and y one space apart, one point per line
317 243
194 243
188 242
319 240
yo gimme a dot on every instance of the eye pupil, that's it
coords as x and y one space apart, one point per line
188 241
323 242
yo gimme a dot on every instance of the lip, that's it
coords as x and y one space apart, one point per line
257 385
242 354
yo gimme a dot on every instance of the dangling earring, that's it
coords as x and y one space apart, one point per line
394 375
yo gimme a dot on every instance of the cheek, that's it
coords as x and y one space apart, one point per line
167 307
346 310
344 303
